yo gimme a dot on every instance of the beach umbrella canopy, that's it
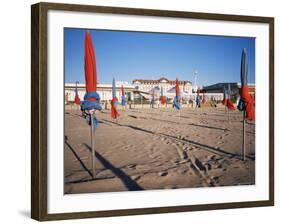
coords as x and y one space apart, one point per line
246 102
229 102
224 96
204 97
177 88
162 97
90 65
123 98
76 99
114 101
122 91
176 101
91 98
198 101
91 101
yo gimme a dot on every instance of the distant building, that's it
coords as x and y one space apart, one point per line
138 90
104 90
235 87
147 85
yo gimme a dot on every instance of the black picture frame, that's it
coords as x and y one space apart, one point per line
39 106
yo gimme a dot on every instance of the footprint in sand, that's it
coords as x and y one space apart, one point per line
215 179
162 173
155 138
168 141
184 171
132 166
127 147
208 166
199 165
135 177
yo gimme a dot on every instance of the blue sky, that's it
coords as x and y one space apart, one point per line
140 55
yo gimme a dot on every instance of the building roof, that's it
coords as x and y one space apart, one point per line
161 80
82 85
220 85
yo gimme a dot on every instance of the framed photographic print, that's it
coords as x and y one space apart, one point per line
139 111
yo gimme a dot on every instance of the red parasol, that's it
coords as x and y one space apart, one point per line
162 97
114 101
176 101
177 88
204 97
114 112
122 90
249 102
90 65
229 104
77 100
91 98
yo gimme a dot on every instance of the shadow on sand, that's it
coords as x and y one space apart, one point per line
217 151
128 182
210 127
78 158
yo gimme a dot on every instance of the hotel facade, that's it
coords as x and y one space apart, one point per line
138 88
104 90
164 83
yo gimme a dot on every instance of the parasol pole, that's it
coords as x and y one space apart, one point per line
228 113
93 145
244 136
179 113
77 106
244 81
228 98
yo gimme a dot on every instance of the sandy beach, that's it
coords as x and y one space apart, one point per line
157 149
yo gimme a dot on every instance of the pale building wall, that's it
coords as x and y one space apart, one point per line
104 92
148 86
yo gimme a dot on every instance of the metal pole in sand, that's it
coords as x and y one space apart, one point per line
93 145
244 136
228 113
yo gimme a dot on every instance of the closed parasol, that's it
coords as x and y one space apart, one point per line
123 98
176 101
246 103
91 101
76 98
229 102
162 97
114 101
